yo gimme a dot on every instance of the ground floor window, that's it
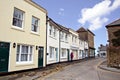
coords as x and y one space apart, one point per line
64 52
24 53
52 52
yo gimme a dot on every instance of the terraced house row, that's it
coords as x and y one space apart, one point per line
30 39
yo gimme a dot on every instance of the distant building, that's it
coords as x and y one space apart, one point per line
102 51
87 35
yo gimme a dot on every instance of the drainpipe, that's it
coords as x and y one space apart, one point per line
46 42
59 45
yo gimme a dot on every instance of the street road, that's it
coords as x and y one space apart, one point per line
86 70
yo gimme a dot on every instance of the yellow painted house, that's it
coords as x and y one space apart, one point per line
22 35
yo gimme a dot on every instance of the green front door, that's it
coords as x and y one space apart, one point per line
68 54
4 56
40 56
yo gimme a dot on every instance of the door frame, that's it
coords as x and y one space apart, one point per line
42 57
8 55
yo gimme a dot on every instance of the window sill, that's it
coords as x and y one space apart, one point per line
63 57
64 41
35 33
24 63
17 28
51 59
52 37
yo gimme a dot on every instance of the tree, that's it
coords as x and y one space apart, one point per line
116 41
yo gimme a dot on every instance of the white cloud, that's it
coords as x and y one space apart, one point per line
61 9
61 12
95 16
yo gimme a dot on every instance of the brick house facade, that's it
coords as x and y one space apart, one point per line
113 53
111 28
87 35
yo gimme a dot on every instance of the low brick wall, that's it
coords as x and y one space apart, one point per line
113 57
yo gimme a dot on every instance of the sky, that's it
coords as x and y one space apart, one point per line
90 14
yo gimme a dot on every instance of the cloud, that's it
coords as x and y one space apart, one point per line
61 12
95 16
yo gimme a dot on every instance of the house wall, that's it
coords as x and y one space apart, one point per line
90 40
64 45
111 30
52 42
101 53
91 44
74 44
8 33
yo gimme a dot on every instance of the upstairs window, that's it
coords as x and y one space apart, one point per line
54 32
62 35
75 39
66 37
35 23
18 18
50 30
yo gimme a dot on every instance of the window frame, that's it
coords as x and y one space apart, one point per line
29 54
38 23
52 53
22 24
63 53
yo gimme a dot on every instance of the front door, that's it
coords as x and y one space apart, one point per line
4 56
40 56
68 52
56 50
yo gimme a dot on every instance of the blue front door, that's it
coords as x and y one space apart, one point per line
56 49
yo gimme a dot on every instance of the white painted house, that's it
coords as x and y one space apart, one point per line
74 43
86 48
53 41
102 51
83 49
64 44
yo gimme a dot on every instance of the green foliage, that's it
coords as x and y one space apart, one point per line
116 41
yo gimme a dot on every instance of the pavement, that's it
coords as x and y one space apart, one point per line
40 73
87 70
103 65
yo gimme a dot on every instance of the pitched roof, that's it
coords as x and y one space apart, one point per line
90 32
103 48
53 23
81 29
64 28
115 23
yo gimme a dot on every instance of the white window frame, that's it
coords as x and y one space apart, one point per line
50 30
54 32
66 37
36 25
62 36
18 11
52 52
29 53
63 53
